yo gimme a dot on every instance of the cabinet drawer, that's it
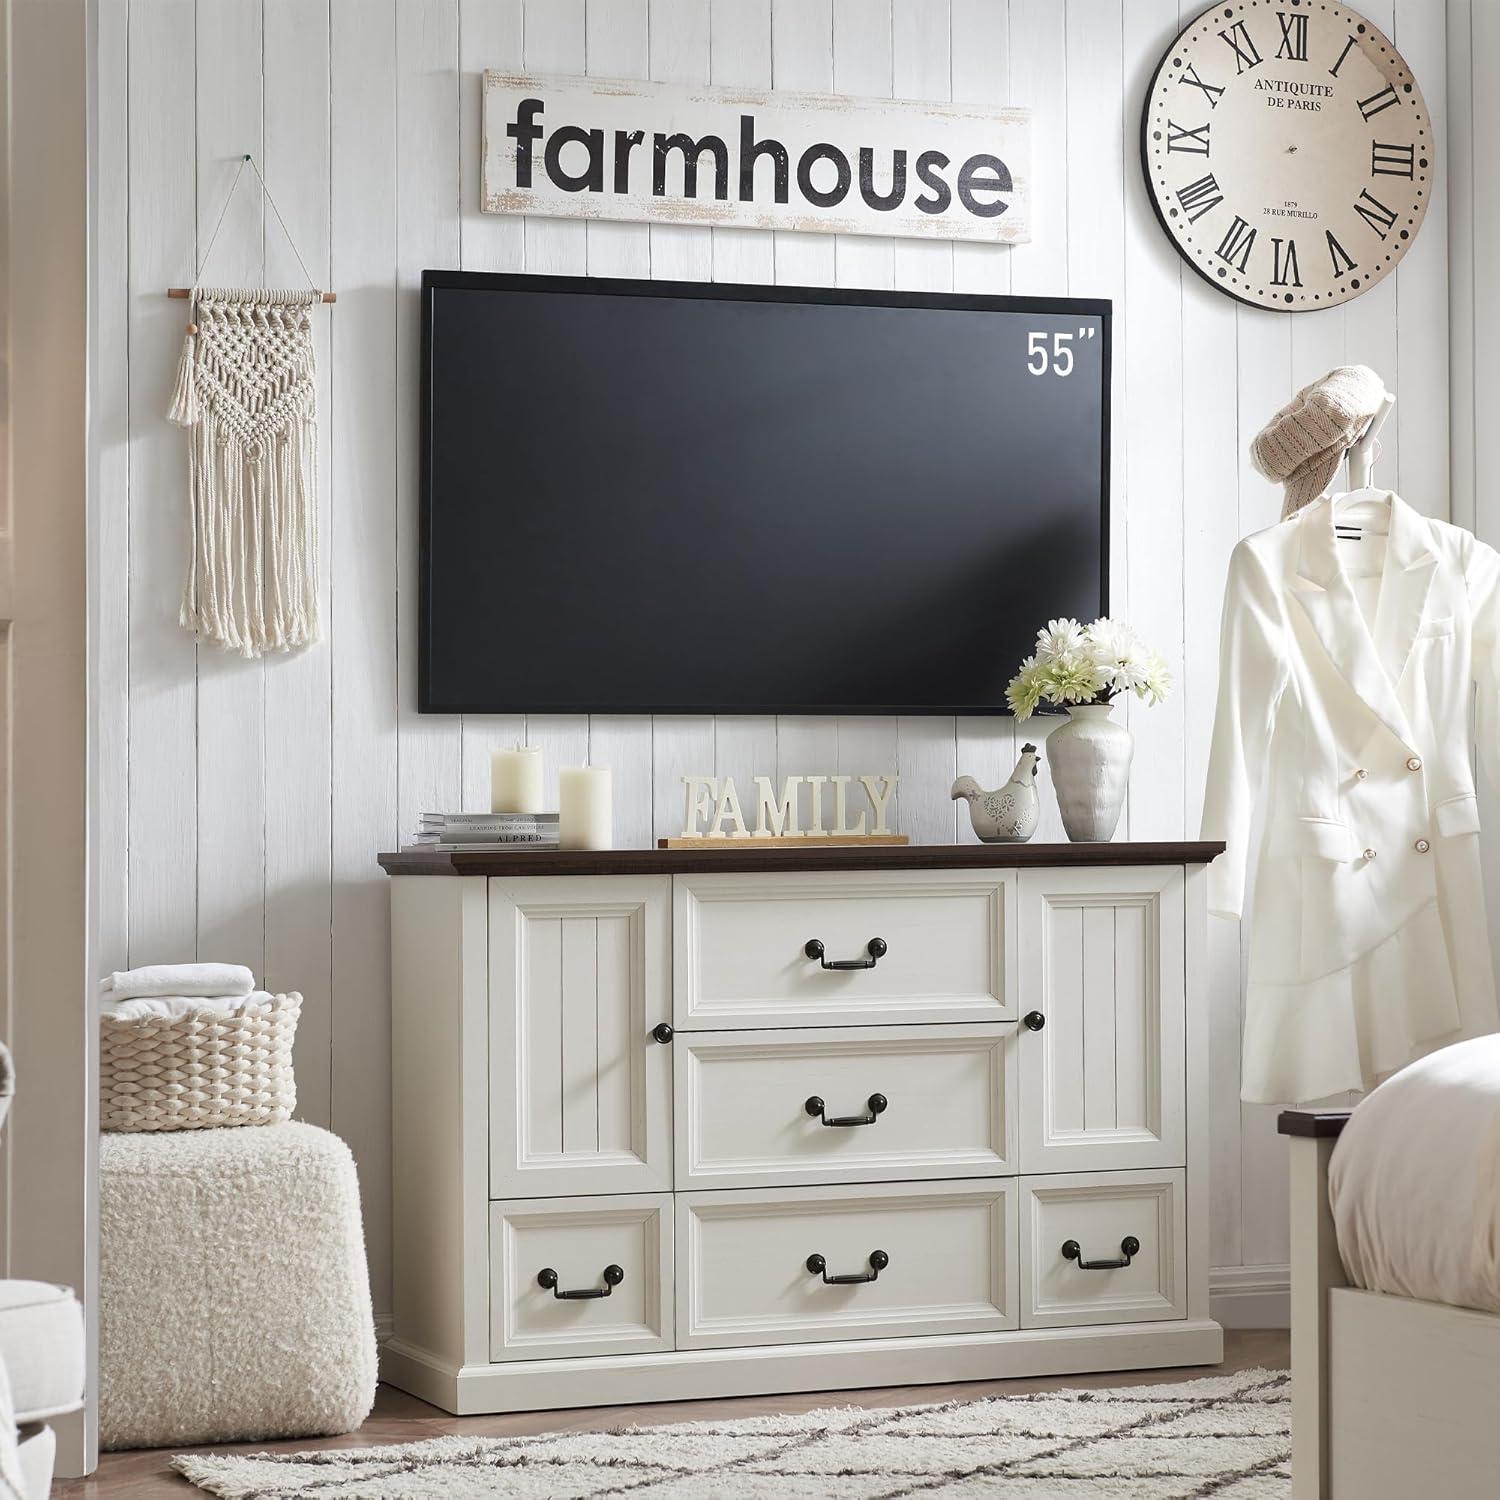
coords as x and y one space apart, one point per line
935 1101
941 1258
1075 1231
740 948
571 1243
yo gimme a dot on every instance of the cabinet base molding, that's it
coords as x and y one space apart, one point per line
696 1374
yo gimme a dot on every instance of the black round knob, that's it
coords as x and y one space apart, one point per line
613 1275
813 948
878 1104
879 1259
1033 1020
662 1032
876 948
1130 1245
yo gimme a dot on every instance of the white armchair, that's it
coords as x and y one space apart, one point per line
41 1362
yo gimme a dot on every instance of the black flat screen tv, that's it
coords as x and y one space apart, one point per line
663 497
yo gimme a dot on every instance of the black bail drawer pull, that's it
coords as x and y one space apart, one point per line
879 1260
613 1276
1130 1247
876 1104
876 948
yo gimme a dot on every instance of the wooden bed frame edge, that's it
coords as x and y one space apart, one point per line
1316 1268
1392 1396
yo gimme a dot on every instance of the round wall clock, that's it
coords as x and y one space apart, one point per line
1287 151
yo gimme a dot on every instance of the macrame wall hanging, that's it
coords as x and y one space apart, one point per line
247 393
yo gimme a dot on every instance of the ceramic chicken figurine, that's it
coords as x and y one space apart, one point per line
1008 815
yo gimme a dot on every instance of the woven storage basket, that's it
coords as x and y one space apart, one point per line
206 1068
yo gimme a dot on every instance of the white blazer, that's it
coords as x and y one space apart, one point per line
1348 739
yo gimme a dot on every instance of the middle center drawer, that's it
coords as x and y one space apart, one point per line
844 1104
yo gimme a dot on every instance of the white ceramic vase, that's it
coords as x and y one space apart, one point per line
1090 760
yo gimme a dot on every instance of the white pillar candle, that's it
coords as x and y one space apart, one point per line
585 808
516 780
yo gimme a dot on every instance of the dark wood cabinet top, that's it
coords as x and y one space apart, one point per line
744 855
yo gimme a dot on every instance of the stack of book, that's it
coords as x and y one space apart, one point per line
486 831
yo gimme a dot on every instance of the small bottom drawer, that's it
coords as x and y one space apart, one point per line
1103 1247
576 1276
798 1265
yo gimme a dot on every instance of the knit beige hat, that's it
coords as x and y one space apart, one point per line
1304 443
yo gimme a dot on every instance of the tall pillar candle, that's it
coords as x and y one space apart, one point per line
585 807
516 780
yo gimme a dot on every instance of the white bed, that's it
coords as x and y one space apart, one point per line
1396 1285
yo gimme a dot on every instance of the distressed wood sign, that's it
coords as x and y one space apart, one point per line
715 812
591 148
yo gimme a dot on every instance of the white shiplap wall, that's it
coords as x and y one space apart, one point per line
1474 311
243 803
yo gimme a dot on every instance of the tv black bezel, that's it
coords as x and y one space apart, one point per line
433 281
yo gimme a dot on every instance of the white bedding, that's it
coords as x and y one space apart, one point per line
1415 1180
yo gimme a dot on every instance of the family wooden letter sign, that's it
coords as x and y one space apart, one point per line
591 148
715 812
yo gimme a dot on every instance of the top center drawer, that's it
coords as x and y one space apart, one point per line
933 945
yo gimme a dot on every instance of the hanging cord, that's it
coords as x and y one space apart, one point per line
183 408
247 390
249 161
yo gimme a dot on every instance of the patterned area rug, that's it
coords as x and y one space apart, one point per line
1227 1436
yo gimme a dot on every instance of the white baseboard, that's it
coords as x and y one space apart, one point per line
766 1369
1250 1296
384 1324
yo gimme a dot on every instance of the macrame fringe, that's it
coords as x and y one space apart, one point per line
246 389
252 581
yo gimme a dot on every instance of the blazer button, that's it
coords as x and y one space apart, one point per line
1413 762
1421 846
1369 854
1360 774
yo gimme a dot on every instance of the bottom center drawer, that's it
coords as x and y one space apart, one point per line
764 1267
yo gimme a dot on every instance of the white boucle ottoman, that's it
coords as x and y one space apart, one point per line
234 1300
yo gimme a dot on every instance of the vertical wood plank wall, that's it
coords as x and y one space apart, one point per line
246 800
1474 315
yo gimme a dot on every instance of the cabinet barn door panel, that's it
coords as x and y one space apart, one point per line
1102 969
580 1092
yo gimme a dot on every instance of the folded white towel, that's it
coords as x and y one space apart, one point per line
177 979
175 1007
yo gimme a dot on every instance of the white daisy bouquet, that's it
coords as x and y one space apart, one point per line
1081 664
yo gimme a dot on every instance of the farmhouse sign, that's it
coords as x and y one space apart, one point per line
591 148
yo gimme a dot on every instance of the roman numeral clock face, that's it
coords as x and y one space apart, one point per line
1288 152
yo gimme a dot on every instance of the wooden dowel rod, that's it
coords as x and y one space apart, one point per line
182 293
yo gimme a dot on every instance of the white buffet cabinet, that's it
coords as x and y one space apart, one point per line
649 1145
